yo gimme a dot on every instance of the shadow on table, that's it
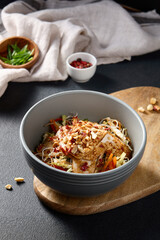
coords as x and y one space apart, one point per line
112 224
19 97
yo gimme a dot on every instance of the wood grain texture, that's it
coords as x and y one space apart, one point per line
144 181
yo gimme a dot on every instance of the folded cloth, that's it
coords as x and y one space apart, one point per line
103 29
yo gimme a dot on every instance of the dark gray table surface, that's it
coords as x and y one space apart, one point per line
22 215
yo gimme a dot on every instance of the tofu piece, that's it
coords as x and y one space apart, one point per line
115 145
83 166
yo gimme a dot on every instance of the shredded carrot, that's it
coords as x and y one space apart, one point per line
119 125
111 165
54 125
110 157
114 161
74 120
107 162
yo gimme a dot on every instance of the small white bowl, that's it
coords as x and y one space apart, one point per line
84 74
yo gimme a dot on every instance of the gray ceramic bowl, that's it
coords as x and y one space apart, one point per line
94 106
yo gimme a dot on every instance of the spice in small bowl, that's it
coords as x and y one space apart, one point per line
81 66
79 63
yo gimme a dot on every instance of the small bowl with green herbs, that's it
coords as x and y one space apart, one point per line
18 52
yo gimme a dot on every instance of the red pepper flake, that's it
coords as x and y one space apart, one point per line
65 151
52 138
67 127
53 126
56 150
58 119
100 162
62 149
60 168
84 167
75 120
69 150
122 148
79 63
101 145
73 140
39 148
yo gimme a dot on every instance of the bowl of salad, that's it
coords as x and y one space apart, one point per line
18 52
79 149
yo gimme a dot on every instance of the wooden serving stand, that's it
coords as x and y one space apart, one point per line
144 181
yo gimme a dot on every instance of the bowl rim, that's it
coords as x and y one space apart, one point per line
85 54
35 56
88 175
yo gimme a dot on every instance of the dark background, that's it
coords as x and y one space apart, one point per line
137 4
142 5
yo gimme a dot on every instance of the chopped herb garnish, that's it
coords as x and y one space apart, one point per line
17 56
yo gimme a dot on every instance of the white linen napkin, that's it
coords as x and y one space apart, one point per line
103 29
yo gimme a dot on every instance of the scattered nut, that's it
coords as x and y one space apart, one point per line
150 107
156 108
141 109
153 100
8 186
19 179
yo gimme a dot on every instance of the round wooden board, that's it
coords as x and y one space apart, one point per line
145 179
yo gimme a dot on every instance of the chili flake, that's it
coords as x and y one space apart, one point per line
84 167
79 63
